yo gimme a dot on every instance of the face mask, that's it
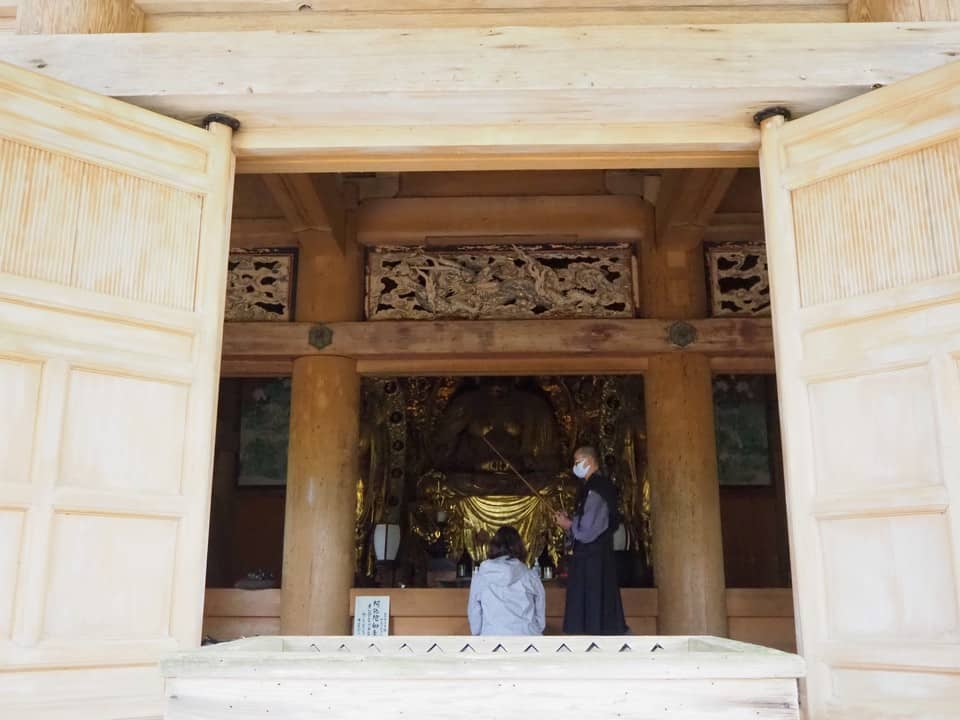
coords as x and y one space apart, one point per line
580 469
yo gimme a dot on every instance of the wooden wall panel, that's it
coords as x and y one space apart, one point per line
137 239
126 593
883 226
101 230
775 632
11 541
901 568
897 448
764 617
109 445
20 390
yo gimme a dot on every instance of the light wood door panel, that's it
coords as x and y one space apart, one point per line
862 213
114 226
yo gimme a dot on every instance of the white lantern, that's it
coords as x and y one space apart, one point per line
620 538
386 541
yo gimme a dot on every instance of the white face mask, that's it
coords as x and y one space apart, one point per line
581 469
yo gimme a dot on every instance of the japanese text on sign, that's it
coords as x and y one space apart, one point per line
371 615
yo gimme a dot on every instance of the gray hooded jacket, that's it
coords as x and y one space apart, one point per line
506 598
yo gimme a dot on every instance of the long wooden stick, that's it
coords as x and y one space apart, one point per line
517 473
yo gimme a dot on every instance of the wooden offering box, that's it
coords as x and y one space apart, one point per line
296 678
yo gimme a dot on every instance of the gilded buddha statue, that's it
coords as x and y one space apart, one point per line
519 423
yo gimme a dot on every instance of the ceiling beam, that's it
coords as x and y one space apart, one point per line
736 228
248 234
686 203
438 222
419 148
355 99
373 6
494 340
312 204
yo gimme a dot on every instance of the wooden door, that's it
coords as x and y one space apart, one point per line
114 230
862 210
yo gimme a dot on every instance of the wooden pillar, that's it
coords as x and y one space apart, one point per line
81 17
903 10
681 437
323 464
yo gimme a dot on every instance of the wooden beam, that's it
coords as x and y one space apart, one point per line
495 339
373 6
714 13
735 227
312 204
686 203
442 221
266 233
553 365
446 99
50 17
271 367
420 148
481 365
500 184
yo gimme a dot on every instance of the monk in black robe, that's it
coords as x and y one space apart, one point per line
593 593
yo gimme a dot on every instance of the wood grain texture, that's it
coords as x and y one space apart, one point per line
903 10
861 203
686 202
896 226
114 242
396 339
760 616
763 12
100 230
526 219
323 459
51 17
624 77
322 479
685 495
698 677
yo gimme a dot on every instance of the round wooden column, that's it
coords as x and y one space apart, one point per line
682 453
685 496
82 17
323 464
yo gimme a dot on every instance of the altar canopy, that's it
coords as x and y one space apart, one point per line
427 439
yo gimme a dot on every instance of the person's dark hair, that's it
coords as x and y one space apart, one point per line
507 542
590 452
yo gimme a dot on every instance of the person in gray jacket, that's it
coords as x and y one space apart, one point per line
506 596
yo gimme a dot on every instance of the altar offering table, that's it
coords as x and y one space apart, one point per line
295 678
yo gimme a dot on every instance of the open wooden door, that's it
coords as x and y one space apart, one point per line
862 210
114 230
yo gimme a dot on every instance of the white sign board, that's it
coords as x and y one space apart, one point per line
371 615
